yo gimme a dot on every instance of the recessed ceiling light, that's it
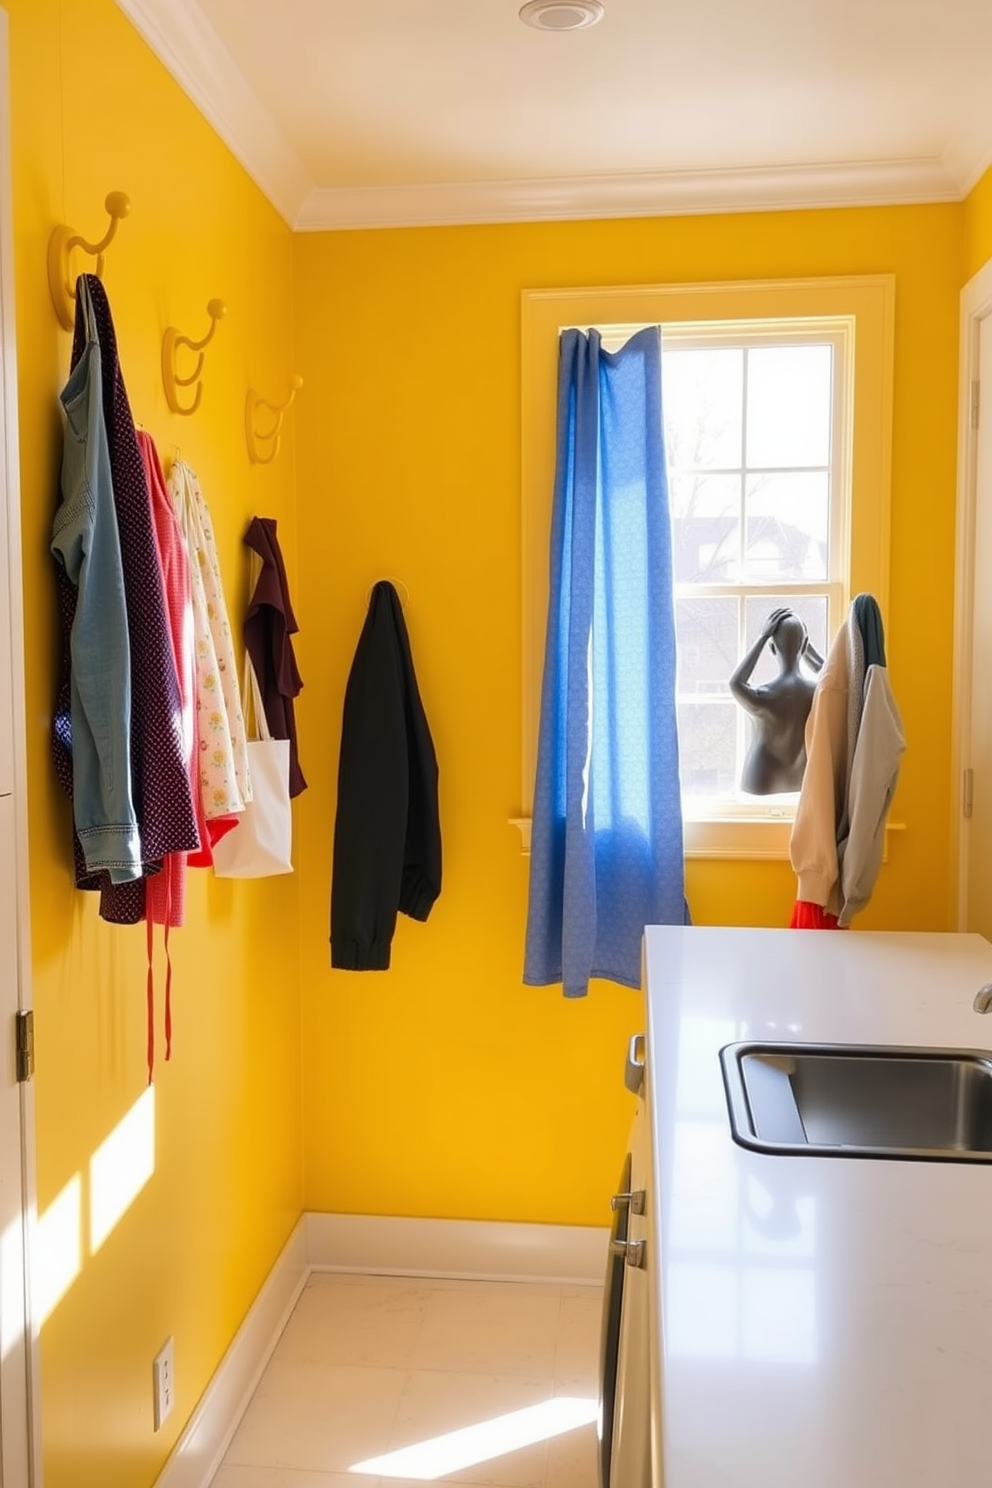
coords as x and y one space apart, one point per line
561 15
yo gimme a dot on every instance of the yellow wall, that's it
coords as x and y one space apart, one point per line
978 226
92 110
447 1088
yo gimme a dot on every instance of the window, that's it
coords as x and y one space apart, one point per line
777 408
757 439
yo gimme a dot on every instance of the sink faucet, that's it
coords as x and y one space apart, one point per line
983 999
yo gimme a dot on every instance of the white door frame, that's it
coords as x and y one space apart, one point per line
20 1434
976 305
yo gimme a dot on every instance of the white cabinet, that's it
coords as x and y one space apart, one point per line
625 1408
631 1451
15 1321
19 1427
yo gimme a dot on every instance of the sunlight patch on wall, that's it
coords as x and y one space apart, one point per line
431 1459
120 1167
57 1255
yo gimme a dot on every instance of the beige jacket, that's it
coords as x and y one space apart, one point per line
831 733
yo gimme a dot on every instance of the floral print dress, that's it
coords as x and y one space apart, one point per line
225 781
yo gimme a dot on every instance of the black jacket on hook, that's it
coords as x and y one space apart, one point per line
387 835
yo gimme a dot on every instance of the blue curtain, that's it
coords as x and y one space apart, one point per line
606 846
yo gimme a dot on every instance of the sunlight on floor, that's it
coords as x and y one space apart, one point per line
431 1459
396 1379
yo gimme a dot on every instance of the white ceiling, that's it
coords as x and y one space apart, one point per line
353 113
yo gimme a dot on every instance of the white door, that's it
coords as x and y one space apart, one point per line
19 1458
977 781
15 1335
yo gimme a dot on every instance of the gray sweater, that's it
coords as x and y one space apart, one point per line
874 774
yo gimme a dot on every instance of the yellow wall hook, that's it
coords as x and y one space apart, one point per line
171 342
61 281
263 443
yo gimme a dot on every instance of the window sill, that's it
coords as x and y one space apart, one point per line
734 837
726 838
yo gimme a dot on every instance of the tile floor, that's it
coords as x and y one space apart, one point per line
370 1364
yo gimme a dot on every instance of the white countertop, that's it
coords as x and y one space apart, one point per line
824 1322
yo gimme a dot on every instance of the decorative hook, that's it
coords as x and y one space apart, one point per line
257 437
60 245
171 342
402 591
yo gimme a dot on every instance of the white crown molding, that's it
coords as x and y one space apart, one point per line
187 45
969 174
660 194
184 41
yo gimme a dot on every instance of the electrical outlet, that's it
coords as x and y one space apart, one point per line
163 1382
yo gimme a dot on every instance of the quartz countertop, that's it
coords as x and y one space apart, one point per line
823 1322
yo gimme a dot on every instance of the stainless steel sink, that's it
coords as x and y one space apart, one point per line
854 1100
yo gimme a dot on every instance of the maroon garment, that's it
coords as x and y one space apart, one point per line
160 778
268 626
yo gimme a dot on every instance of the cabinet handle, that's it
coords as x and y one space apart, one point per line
634 1201
633 1075
631 1250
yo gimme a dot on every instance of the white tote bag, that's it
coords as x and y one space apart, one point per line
261 844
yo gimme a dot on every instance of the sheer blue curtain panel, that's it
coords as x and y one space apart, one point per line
606 846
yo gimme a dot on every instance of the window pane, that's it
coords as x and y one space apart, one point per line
787 526
706 528
706 640
812 611
708 748
788 405
702 397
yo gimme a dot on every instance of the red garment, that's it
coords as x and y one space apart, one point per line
166 893
806 916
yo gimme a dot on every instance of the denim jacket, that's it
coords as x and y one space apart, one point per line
85 540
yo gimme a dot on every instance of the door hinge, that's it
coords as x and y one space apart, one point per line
976 401
967 792
24 1039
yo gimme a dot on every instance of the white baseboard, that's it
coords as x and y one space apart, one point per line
378 1246
201 1447
480 1250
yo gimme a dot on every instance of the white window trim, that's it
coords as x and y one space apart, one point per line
867 303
